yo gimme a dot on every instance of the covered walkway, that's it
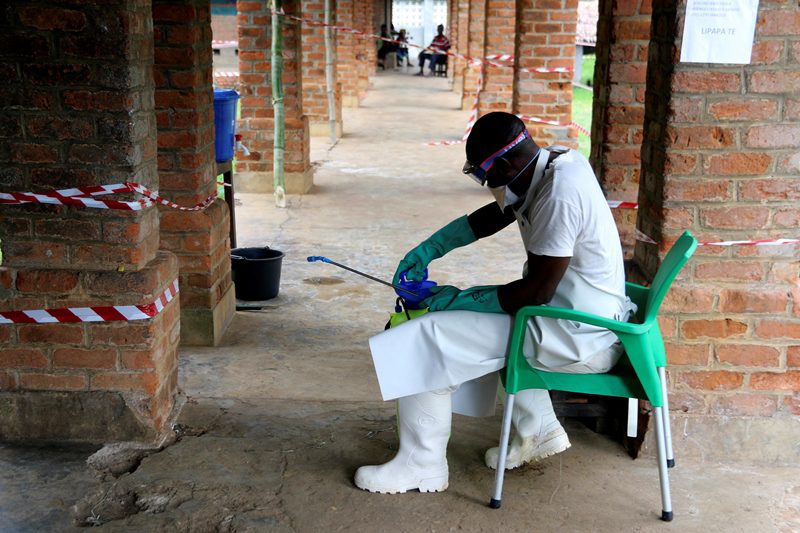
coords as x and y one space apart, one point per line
279 416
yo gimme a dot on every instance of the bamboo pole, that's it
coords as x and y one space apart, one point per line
277 105
329 72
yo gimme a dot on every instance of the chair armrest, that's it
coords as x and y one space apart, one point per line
579 316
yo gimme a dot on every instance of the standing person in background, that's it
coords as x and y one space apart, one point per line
402 48
435 53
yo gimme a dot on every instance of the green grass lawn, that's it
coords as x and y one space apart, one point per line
582 114
582 103
587 69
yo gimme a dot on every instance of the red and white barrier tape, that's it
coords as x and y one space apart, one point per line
83 197
226 74
757 242
581 129
616 204
224 44
488 60
92 314
473 115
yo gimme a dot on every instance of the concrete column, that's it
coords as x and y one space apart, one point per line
720 158
254 172
77 108
187 168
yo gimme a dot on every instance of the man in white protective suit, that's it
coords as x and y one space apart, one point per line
447 360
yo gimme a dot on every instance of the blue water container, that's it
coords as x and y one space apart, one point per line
224 123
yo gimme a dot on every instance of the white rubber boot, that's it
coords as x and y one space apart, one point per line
421 461
538 432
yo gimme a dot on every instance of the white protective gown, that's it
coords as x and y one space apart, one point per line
564 214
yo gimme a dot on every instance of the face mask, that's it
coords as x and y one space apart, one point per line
503 194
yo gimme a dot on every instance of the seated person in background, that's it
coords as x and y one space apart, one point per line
402 48
385 46
435 52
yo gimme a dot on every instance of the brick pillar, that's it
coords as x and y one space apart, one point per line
461 17
77 108
498 86
187 168
348 53
476 47
315 87
256 124
546 38
618 113
720 158
366 46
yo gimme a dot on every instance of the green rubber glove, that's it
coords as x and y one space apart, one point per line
454 235
482 299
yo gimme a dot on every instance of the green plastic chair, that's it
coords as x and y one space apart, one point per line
639 375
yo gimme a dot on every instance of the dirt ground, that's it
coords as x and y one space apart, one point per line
277 419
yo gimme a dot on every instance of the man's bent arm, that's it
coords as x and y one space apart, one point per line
544 275
489 219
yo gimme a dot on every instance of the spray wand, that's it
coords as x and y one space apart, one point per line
313 258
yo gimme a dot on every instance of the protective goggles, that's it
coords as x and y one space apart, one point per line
478 172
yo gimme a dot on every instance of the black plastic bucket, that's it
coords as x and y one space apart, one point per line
256 272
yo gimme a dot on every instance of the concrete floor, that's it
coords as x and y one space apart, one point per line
278 418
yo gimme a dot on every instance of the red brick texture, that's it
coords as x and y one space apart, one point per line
186 156
100 135
498 85
315 87
257 117
476 47
618 114
718 158
349 52
460 36
546 38
367 56
78 104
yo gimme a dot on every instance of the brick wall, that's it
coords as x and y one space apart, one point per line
720 158
256 122
77 110
498 83
546 38
348 54
187 168
618 113
367 55
315 87
459 19
476 46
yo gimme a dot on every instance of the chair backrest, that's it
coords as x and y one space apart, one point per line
677 256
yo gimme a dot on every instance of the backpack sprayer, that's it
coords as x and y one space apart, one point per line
410 293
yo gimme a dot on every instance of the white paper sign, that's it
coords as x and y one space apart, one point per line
719 31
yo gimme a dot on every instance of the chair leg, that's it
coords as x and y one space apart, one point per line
505 433
663 473
667 428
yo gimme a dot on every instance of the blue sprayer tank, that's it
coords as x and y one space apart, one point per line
224 123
